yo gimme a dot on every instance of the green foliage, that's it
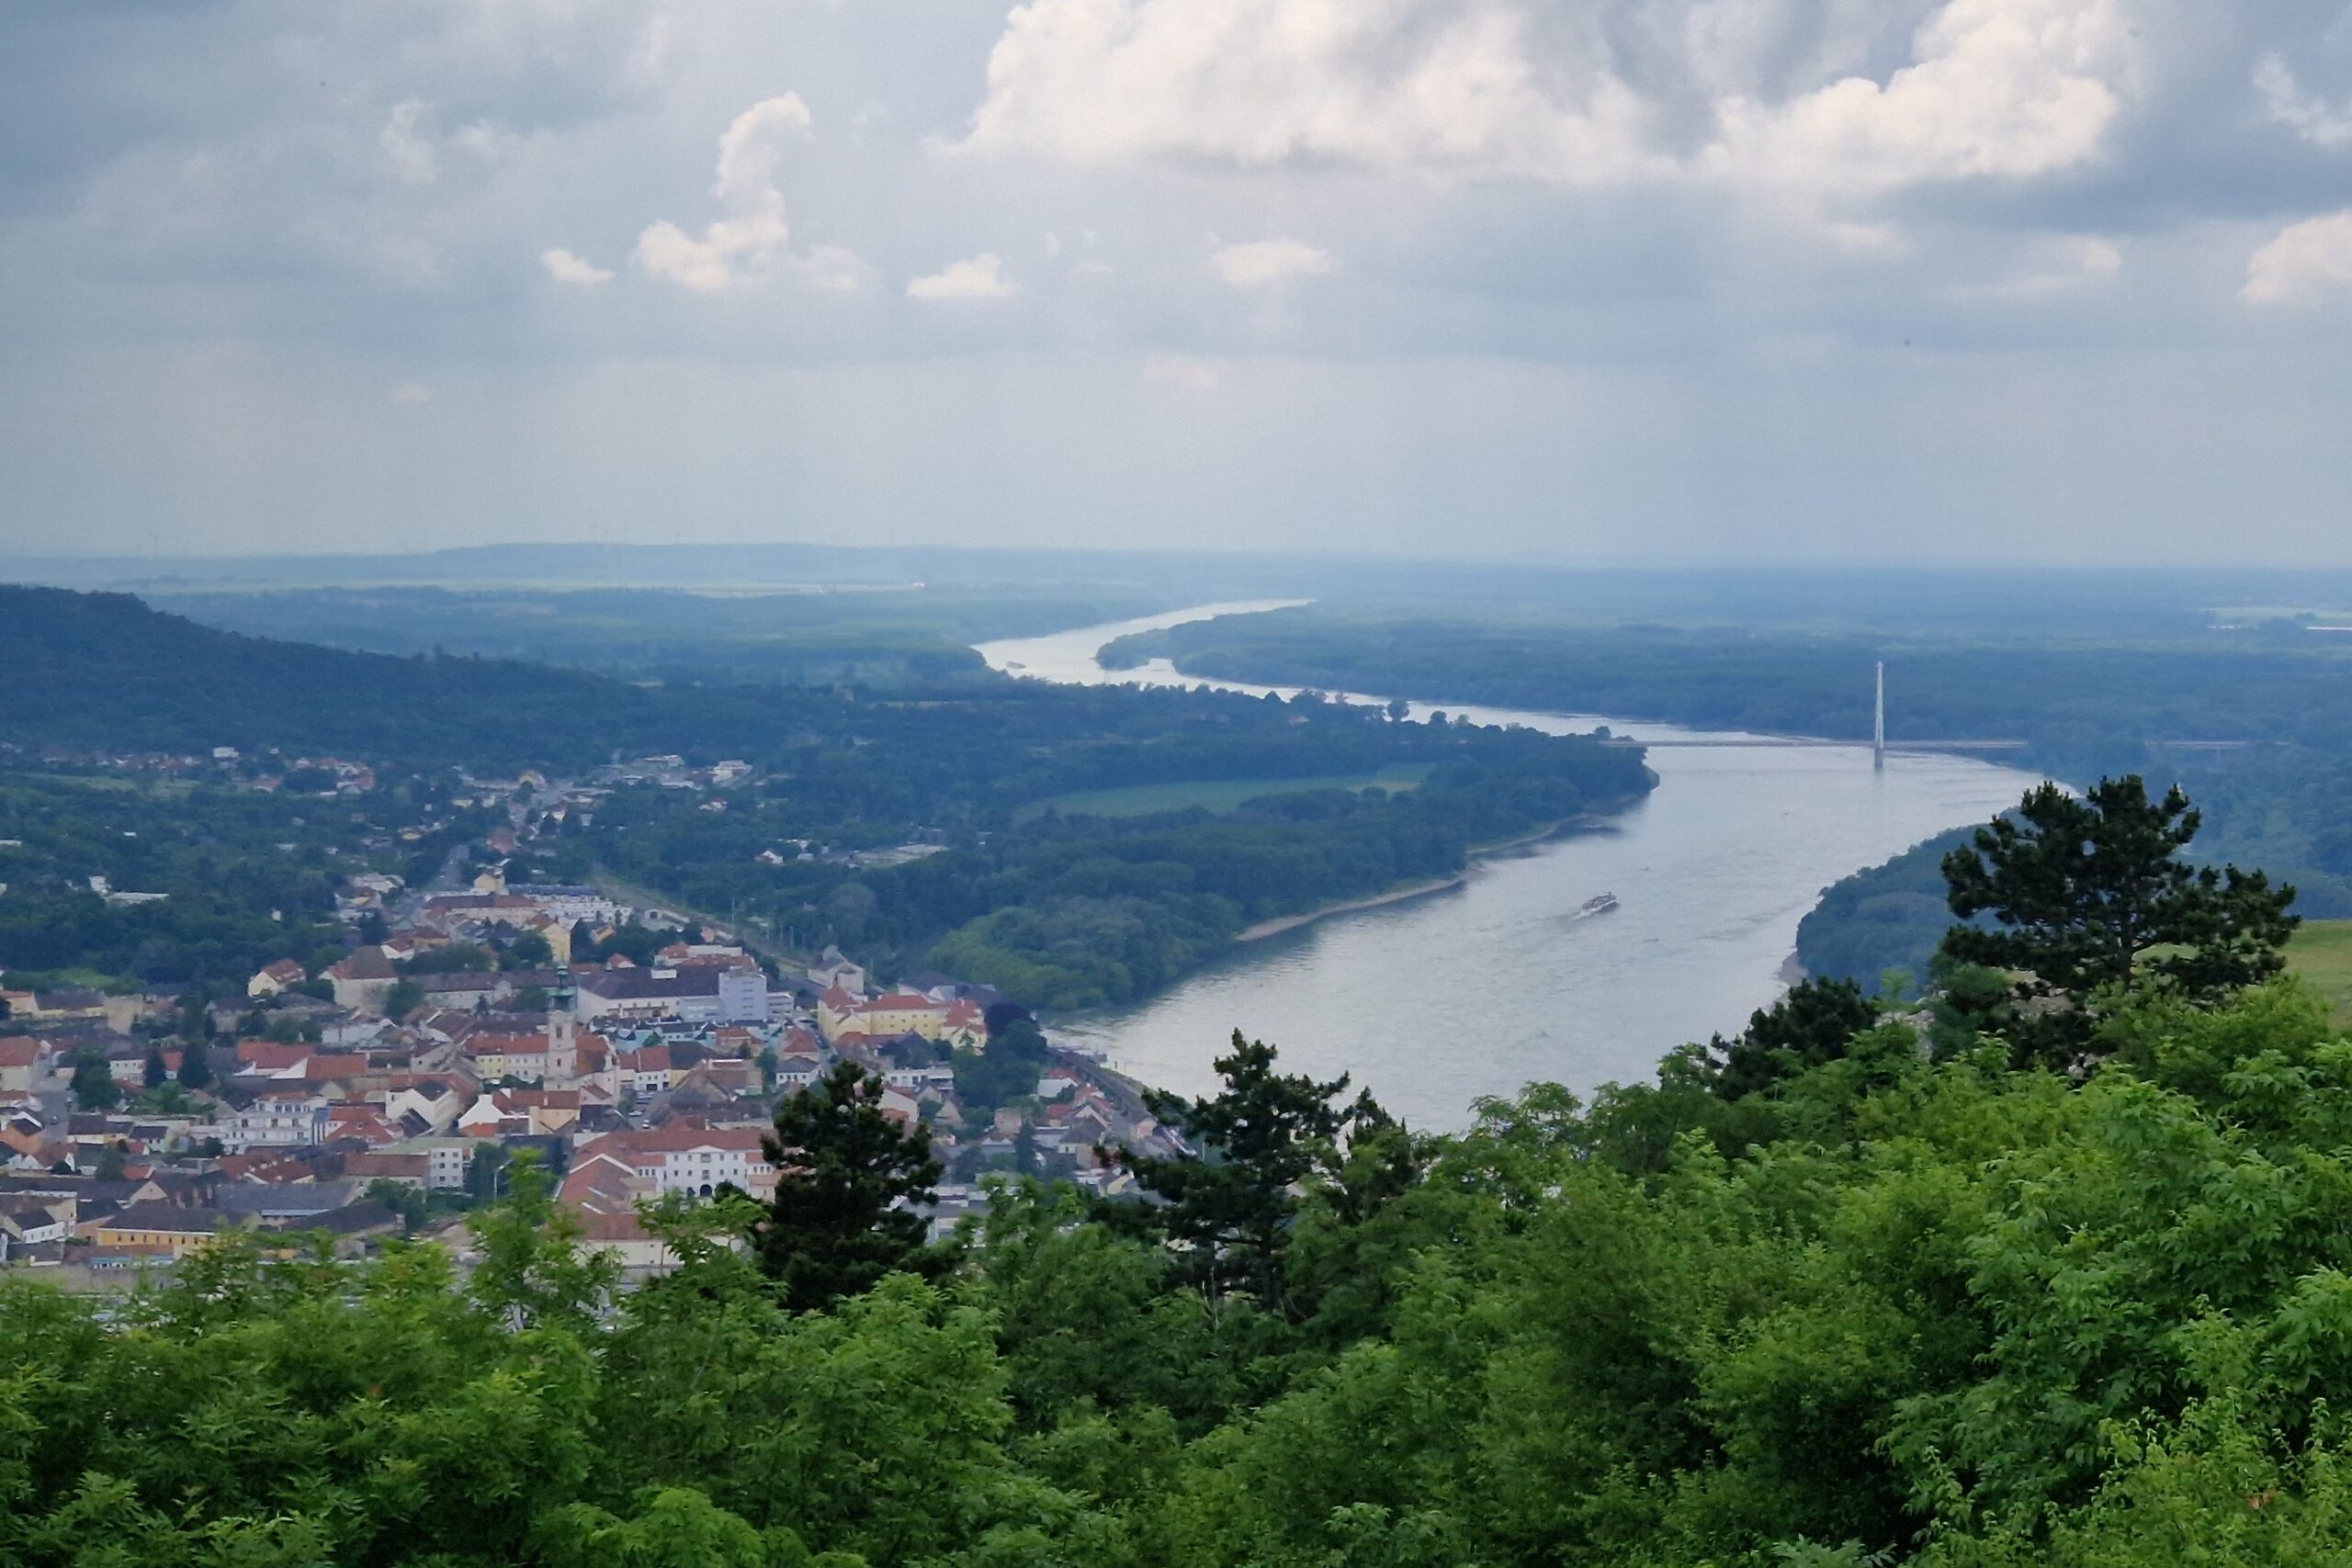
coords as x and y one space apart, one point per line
1227 1207
403 998
2090 896
1807 1027
1939 1312
93 1086
1008 1068
847 1183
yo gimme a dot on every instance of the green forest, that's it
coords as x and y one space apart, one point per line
2083 705
1056 909
1081 910
1855 1287
865 636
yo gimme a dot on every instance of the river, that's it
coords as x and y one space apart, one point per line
1480 989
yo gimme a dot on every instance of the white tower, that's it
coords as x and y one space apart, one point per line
1877 724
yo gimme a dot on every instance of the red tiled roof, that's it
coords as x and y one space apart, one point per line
902 1001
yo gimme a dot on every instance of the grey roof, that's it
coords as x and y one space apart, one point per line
294 1198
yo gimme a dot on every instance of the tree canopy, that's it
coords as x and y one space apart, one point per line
2091 892
848 1182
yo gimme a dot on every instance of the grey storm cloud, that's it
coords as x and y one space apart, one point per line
1808 277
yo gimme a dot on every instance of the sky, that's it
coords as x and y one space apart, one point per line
1666 280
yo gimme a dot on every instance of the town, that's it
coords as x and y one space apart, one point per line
632 1053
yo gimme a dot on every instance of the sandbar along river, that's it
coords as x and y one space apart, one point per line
1478 990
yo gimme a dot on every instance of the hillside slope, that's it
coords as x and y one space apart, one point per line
104 672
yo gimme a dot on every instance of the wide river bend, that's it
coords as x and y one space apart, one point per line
1478 991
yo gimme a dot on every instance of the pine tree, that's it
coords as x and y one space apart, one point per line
2091 893
1228 1207
847 1183
1808 1026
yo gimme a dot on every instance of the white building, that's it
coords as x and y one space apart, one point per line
278 1118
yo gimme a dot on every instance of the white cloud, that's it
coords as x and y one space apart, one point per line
2302 263
830 269
980 277
413 149
1999 88
1184 372
752 241
407 149
2315 120
1262 262
1388 83
410 394
565 267
2005 88
2057 264
1880 241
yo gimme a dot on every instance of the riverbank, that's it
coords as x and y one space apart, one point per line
1479 855
1264 929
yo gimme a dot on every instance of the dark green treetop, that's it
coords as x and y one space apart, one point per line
846 1180
2091 892
1808 1026
1227 1207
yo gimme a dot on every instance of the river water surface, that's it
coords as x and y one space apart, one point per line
1481 989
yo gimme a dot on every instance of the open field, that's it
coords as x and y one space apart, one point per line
2321 951
114 783
1218 796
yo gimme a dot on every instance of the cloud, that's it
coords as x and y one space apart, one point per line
1879 240
2302 263
413 149
565 267
1262 262
1580 91
1998 88
406 149
2058 264
980 278
412 394
1391 83
830 269
752 241
2316 121
1184 372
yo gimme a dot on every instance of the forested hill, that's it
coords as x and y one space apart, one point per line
93 671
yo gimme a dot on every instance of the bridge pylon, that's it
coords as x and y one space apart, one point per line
1878 724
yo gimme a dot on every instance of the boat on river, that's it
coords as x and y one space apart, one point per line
1601 904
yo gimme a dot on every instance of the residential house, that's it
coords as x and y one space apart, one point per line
966 1026
274 980
278 1118
426 1104
647 1071
363 980
521 1112
164 1229
832 970
22 1060
445 1160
